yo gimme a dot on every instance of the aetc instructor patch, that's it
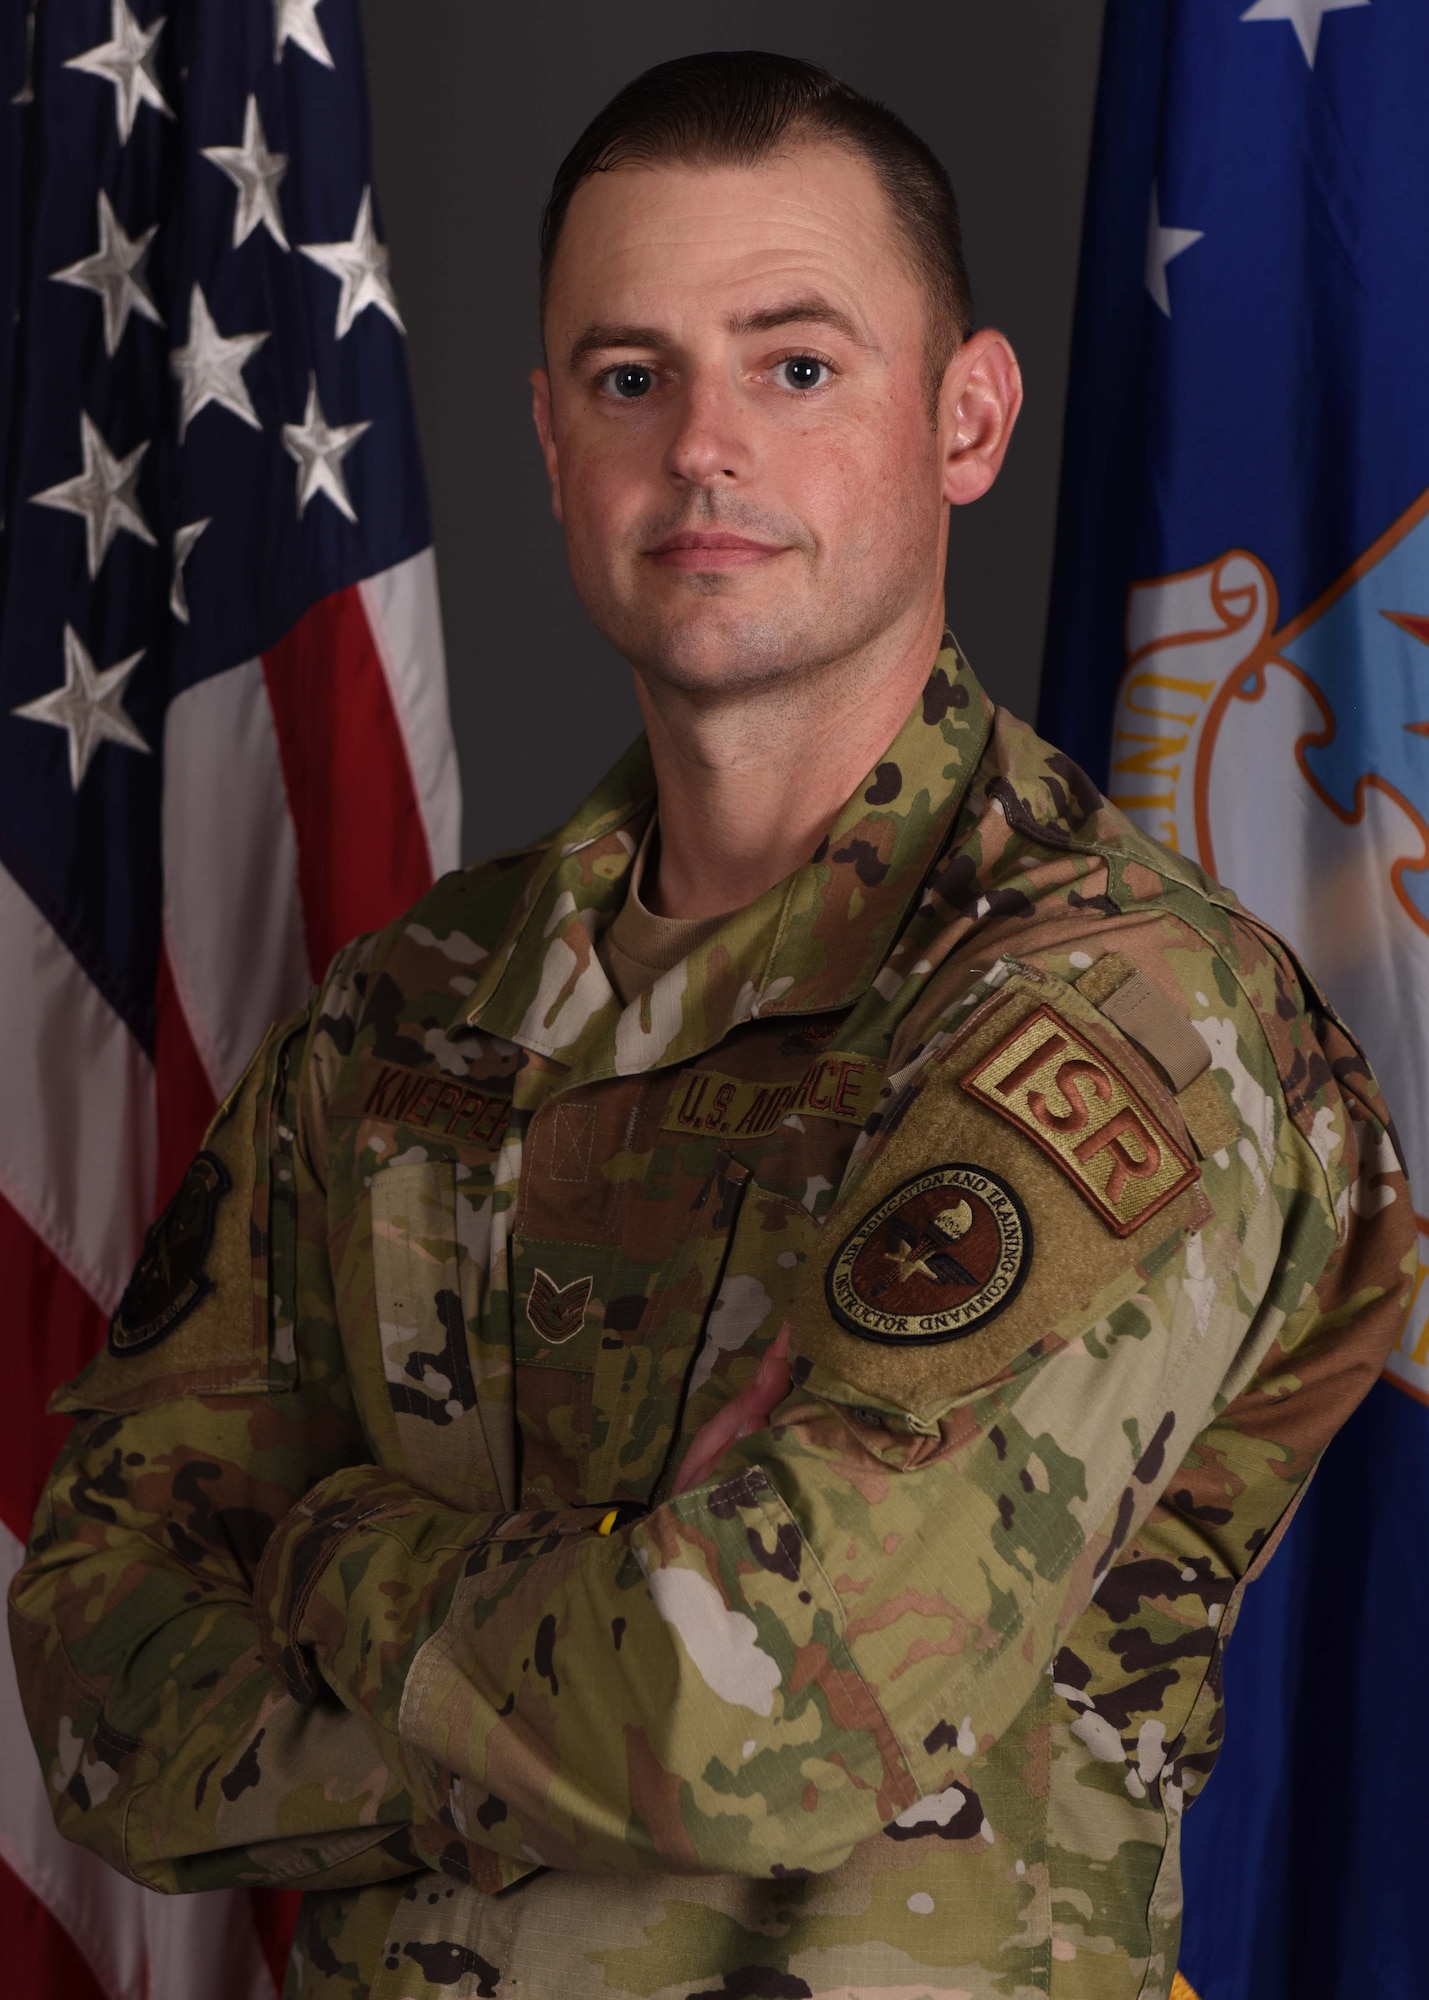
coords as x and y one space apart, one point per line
939 1257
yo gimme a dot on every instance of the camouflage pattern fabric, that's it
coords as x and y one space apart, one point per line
359 1573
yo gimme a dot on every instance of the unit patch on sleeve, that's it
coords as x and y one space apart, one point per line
170 1279
1057 1086
937 1258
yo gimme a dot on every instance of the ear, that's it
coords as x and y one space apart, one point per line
541 416
977 409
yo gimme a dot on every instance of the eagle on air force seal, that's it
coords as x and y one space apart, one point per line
938 1257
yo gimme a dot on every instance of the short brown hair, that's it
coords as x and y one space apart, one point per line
736 107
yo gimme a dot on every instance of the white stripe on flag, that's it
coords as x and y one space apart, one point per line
139 1946
233 918
77 1122
404 615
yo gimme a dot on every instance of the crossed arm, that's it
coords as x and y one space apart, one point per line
753 1677
249 1655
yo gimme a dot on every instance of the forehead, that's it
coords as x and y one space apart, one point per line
698 240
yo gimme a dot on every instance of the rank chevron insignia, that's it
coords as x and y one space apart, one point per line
557 1311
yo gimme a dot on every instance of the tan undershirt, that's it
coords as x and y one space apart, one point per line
639 946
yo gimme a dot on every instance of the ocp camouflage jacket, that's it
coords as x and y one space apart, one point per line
358 1575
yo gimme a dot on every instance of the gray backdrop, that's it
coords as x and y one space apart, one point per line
473 106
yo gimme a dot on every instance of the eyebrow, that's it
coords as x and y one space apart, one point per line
809 311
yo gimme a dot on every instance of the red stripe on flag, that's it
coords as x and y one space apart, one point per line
184 1097
55 1327
362 848
275 1917
40 1955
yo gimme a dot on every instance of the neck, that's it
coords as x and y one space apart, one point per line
750 786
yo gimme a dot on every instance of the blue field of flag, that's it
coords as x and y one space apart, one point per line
1239 653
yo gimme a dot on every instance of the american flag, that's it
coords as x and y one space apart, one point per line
224 738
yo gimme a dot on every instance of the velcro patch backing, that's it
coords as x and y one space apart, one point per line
1064 1093
1148 1016
837 1086
900 1249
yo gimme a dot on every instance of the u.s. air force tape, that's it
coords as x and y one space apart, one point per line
939 1256
835 1085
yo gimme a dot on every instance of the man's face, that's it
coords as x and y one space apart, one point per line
737 421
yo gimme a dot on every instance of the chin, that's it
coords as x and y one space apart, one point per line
713 647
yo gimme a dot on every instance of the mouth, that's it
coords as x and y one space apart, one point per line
707 549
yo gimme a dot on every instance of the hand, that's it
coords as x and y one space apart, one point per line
745 1413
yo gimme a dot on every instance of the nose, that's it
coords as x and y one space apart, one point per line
710 445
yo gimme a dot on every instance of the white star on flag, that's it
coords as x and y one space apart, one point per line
1304 17
297 21
184 539
1163 246
319 448
126 61
255 172
26 93
90 706
361 267
116 272
210 367
103 494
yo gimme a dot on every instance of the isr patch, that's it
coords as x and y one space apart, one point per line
1058 1087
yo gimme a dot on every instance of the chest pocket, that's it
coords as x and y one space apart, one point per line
620 1360
605 1335
606 1332
448 1384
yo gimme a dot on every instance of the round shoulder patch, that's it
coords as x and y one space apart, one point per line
169 1280
939 1257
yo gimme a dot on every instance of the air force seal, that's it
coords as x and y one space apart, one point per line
939 1257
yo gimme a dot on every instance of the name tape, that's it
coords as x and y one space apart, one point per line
400 1096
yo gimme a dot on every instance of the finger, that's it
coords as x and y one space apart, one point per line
749 1410
699 1463
710 1444
737 1419
741 1416
770 1385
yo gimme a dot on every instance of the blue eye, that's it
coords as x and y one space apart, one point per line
631 381
803 372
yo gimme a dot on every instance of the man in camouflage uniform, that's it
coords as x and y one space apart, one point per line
444 1530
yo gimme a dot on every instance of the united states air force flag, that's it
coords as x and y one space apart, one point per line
1239 652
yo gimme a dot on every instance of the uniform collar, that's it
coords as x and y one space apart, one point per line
814 943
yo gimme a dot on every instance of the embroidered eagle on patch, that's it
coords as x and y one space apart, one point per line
937 1258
